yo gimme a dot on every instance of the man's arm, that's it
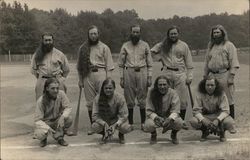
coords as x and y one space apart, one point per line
109 62
155 52
175 104
206 70
65 66
39 114
197 110
34 68
123 110
66 105
95 112
224 107
189 63
150 110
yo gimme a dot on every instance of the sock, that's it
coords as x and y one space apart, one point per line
130 115
143 115
183 113
231 107
90 116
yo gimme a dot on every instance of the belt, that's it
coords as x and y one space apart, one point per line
220 71
136 69
169 68
94 69
46 76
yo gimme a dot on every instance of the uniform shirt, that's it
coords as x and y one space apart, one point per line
135 56
179 57
56 108
118 106
54 63
100 56
206 104
222 56
170 102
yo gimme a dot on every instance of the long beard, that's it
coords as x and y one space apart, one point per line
135 39
46 48
92 43
218 40
170 41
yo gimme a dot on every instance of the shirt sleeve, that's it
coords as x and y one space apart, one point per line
39 114
150 110
65 66
197 110
149 61
233 58
34 66
189 62
155 52
121 60
175 105
95 112
224 106
123 111
109 60
66 105
206 70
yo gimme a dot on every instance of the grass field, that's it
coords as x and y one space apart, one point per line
18 99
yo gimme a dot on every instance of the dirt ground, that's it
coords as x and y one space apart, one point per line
18 104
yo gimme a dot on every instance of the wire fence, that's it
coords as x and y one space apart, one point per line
72 57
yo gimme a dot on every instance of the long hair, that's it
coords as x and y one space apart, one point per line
224 35
167 43
39 53
156 96
104 108
46 98
218 88
83 61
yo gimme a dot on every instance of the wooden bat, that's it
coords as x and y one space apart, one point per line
76 121
190 95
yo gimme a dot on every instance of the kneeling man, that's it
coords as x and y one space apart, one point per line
211 110
52 114
163 109
110 112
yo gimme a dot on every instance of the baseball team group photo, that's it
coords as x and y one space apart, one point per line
115 85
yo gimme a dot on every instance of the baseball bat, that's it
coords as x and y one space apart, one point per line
76 121
190 95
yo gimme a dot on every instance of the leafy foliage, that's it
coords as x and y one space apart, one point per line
21 28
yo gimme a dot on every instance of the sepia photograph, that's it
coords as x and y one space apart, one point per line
124 79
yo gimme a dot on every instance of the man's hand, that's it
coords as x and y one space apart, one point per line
149 82
159 121
215 125
80 84
113 128
106 128
188 81
52 131
206 122
230 80
122 82
168 123
61 122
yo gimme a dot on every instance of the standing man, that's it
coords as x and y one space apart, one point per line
177 64
94 65
211 110
49 62
52 113
135 64
222 62
163 108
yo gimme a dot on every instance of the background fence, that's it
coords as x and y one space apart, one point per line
73 57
